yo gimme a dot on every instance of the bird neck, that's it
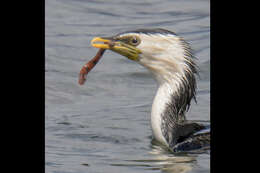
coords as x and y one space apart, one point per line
170 104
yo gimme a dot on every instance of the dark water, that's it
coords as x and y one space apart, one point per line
104 126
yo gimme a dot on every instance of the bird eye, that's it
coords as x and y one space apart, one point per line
135 41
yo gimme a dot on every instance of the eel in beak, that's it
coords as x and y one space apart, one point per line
118 46
89 65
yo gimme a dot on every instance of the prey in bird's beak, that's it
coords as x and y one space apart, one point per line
122 46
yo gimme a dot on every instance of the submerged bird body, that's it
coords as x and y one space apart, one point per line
169 58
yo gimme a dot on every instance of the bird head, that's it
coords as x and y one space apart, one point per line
162 52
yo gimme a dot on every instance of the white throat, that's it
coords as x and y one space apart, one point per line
162 98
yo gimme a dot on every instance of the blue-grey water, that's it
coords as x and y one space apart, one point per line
104 125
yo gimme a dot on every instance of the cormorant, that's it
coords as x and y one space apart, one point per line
171 61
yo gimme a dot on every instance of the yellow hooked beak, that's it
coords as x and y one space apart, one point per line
120 47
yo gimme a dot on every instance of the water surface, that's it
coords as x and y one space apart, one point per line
104 125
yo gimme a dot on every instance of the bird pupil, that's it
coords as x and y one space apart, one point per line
134 40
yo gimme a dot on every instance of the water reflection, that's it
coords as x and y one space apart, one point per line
171 163
160 158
